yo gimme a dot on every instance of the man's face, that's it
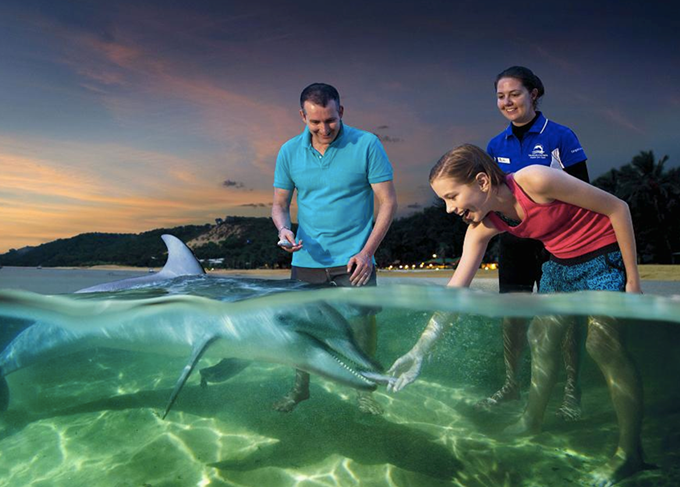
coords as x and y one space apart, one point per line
323 122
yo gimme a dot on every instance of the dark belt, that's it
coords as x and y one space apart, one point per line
613 247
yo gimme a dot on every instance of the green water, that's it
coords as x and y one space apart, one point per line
92 418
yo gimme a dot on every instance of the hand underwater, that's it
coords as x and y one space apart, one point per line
406 370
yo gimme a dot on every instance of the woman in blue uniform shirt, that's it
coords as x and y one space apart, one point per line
531 139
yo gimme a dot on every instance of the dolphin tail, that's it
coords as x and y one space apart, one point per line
195 357
4 393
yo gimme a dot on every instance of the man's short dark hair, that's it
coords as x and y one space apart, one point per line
320 94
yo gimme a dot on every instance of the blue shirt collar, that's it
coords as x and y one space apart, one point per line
307 136
536 128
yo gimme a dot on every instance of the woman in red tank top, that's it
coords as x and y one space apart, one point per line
590 234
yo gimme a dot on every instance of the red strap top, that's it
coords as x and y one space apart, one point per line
566 230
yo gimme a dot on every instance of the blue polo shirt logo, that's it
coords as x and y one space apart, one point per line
538 152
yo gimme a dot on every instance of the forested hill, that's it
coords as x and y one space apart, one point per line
651 191
241 243
90 249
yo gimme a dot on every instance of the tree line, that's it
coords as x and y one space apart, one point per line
652 192
653 195
90 249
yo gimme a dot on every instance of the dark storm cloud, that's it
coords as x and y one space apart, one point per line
228 183
388 139
256 205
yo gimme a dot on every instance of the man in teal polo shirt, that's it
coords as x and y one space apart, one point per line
337 170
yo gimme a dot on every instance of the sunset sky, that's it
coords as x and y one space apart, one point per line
125 116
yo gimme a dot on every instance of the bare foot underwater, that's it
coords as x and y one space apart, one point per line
524 427
619 467
509 392
570 410
290 401
367 403
299 393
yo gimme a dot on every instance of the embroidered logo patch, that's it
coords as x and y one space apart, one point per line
504 160
538 152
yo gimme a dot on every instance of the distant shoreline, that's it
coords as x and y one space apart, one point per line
657 280
281 273
652 272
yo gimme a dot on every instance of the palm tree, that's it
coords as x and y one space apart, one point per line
653 196
609 182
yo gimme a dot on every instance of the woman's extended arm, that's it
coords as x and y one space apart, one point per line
477 239
407 368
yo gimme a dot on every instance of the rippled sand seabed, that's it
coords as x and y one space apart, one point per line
93 420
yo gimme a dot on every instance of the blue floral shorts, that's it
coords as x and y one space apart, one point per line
604 272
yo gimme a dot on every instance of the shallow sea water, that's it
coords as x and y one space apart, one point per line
92 418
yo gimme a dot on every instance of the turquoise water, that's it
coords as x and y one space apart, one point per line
91 418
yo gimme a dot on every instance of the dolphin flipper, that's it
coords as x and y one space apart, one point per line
199 350
222 371
4 394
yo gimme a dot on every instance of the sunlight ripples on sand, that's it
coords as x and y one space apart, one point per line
92 418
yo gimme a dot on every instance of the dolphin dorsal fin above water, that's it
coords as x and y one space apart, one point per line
181 262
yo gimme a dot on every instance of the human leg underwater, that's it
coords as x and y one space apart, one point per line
520 269
604 344
546 334
362 323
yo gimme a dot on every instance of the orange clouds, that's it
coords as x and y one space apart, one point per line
53 188
45 199
162 114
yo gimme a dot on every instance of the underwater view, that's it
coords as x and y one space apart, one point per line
116 389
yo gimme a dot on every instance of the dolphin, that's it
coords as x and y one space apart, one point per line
181 262
311 336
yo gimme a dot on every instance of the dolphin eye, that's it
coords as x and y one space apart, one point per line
284 319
